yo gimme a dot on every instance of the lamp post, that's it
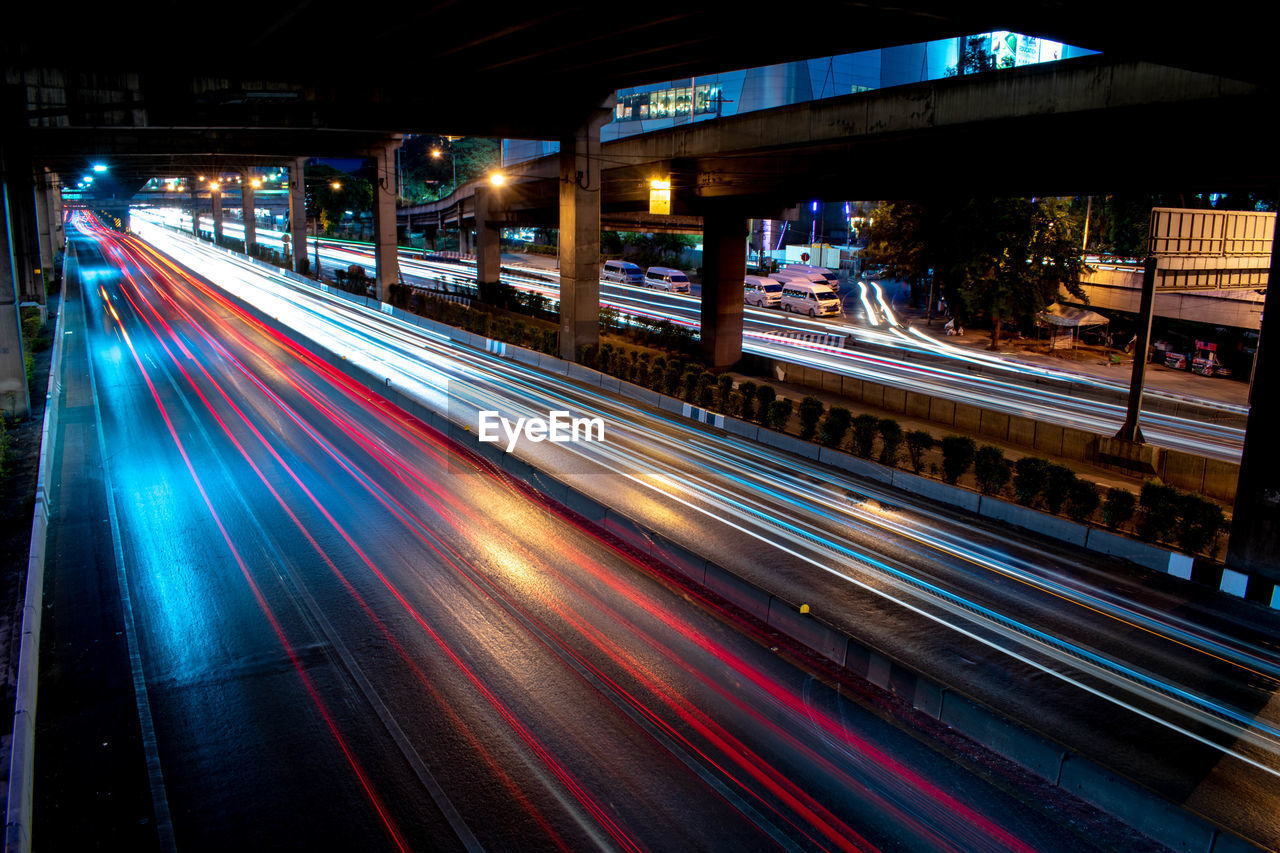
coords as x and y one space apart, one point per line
437 153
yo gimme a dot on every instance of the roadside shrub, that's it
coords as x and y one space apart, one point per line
1058 482
748 392
890 441
724 387
958 452
991 469
835 425
657 370
1159 511
919 443
864 435
733 406
778 415
706 389
1118 508
1082 500
765 395
671 379
1030 475
1199 520
810 413
688 386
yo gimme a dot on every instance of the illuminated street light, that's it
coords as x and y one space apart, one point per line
99 167
337 185
213 185
497 179
255 183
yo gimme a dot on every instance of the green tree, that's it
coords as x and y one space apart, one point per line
1118 507
778 415
864 435
1082 500
990 469
890 440
329 202
748 392
1031 474
810 413
919 443
1059 480
958 452
1000 259
765 395
835 425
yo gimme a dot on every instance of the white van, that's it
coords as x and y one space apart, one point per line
818 275
807 297
665 278
622 271
761 291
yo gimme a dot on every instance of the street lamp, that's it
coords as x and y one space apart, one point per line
436 154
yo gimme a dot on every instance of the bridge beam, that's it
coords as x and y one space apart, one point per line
724 264
1254 543
580 191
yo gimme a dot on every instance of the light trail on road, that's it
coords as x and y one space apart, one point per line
539 681
673 449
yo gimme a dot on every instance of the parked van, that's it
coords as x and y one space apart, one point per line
761 291
622 271
665 278
818 275
807 297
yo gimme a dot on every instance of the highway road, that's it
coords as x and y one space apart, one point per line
883 350
323 508
346 632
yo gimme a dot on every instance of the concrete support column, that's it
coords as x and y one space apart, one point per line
215 202
465 243
488 239
298 215
724 263
24 232
386 258
580 235
246 212
1254 544
44 225
15 401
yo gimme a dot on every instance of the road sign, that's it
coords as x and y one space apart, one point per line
1211 249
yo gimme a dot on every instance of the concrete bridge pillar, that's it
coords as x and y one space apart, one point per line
298 215
724 264
45 189
386 259
246 212
1254 543
15 402
580 234
488 238
466 245
215 202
